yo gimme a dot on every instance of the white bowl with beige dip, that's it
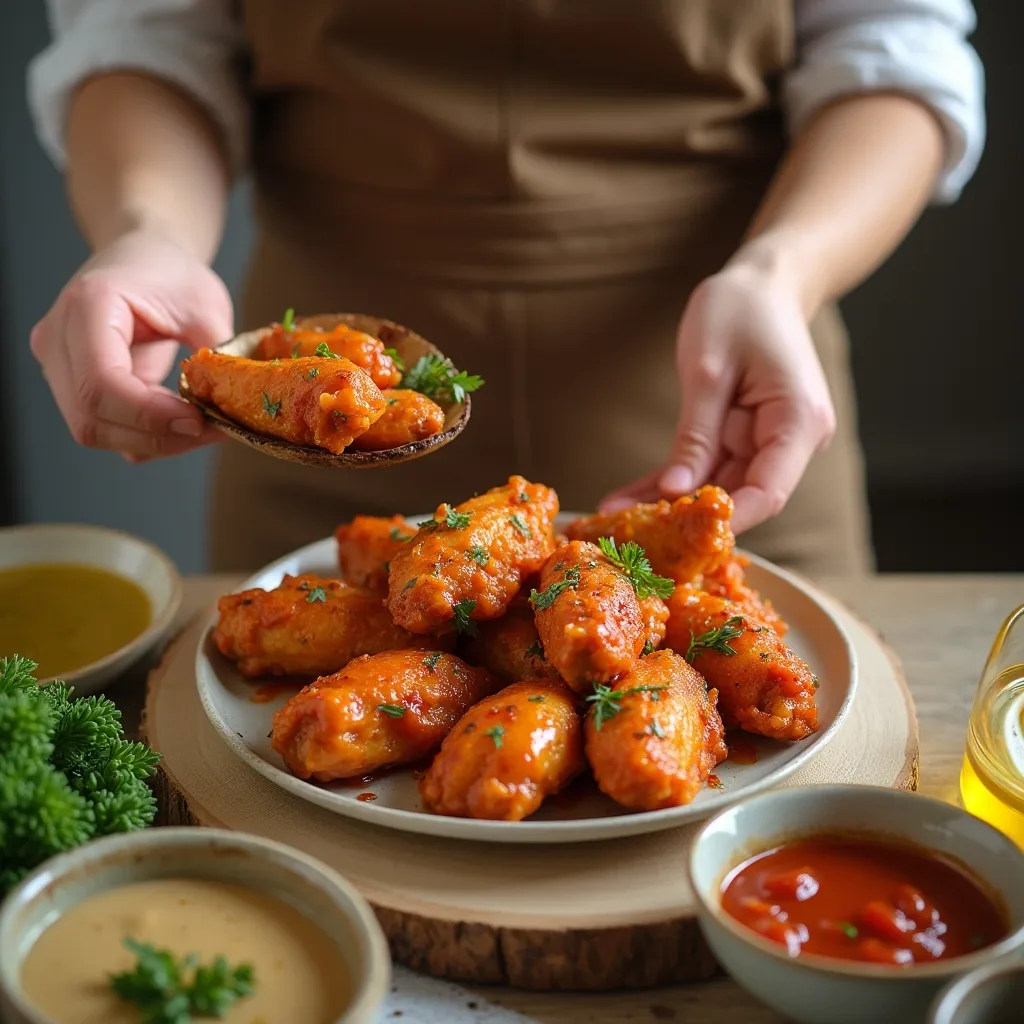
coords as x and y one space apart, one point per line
316 949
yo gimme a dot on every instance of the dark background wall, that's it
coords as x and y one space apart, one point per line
938 349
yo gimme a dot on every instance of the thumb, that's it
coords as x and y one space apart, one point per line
208 322
697 442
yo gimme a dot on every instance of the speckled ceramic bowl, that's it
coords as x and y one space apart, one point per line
993 994
824 990
271 868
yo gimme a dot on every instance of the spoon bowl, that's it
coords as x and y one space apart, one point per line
410 347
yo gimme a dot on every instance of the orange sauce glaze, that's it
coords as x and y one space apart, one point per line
863 899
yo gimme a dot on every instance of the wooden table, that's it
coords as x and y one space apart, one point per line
940 626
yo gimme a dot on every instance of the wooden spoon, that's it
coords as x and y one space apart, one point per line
409 346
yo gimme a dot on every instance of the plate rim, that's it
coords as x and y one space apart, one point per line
577 830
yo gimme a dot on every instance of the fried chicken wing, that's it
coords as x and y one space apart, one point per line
683 539
507 754
764 687
468 563
326 403
308 626
366 546
510 647
729 580
588 617
380 710
408 416
363 349
653 741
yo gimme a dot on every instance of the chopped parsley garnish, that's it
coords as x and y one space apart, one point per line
288 320
396 534
497 734
716 639
633 561
535 650
313 372
269 407
849 930
457 520
537 698
649 648
392 401
395 358
656 729
436 378
518 523
391 710
479 555
410 584
316 594
431 660
324 351
541 599
606 700
463 622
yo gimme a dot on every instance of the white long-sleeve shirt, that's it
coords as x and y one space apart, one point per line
917 47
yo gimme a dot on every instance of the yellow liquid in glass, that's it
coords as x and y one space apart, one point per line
992 777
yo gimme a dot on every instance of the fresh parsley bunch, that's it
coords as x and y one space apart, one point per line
67 774
437 378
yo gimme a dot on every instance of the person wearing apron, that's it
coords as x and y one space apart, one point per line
538 187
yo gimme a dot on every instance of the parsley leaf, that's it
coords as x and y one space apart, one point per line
606 700
479 555
656 729
288 320
395 358
395 534
535 650
431 660
272 408
457 520
518 523
849 930
436 377
391 710
633 561
541 599
463 623
324 351
649 648
537 698
316 594
410 583
716 639
157 986
497 734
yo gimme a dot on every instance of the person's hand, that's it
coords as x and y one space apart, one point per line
755 403
112 337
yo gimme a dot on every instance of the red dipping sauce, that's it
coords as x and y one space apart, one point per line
865 900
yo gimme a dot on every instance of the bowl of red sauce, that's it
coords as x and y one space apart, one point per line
843 904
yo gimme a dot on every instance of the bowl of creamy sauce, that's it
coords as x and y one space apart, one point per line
83 602
193 914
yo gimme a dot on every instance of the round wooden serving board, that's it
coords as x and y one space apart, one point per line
601 915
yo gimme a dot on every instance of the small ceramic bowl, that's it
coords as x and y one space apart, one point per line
271 868
121 553
822 990
993 994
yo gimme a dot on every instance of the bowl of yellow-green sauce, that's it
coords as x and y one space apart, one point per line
83 602
191 920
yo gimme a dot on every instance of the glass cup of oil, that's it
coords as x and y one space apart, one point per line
992 776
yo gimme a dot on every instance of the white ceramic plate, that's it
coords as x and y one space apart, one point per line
121 553
244 726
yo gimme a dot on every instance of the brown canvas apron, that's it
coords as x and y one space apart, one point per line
536 186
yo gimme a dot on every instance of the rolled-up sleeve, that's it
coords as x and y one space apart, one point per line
195 45
915 47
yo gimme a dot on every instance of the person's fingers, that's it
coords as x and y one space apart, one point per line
199 316
153 361
141 446
788 433
697 444
98 342
738 434
644 489
731 474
